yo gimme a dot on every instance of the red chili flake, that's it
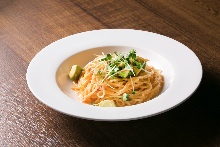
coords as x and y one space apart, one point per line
99 89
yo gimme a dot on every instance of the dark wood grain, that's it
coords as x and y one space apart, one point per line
27 26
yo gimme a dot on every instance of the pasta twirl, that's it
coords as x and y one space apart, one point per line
102 80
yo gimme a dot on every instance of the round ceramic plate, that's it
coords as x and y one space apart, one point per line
47 74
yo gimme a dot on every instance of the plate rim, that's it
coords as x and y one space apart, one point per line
103 32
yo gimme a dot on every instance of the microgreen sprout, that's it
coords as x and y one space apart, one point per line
134 92
122 65
125 97
94 104
100 73
108 57
116 53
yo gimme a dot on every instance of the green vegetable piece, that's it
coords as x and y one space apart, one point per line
130 73
75 72
128 61
112 72
104 59
124 74
116 69
109 57
139 65
134 92
143 63
99 72
108 67
132 54
136 70
122 65
125 97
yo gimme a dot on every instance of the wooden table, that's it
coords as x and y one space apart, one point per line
27 26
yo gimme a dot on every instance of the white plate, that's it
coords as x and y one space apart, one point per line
47 74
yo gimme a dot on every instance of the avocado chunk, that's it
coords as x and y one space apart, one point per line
122 65
75 72
136 70
142 61
124 74
107 103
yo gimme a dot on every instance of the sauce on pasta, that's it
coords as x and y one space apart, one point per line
123 78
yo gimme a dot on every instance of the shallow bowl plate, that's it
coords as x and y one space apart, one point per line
47 74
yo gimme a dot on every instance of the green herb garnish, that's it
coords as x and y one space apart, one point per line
122 65
99 72
132 54
134 92
125 97
108 57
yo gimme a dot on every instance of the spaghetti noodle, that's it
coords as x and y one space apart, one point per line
105 78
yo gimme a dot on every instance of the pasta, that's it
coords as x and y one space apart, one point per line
103 79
